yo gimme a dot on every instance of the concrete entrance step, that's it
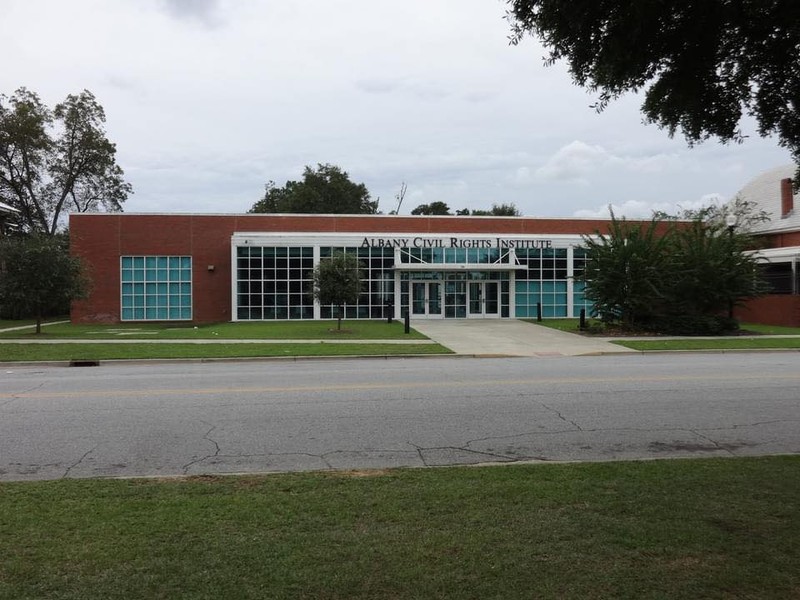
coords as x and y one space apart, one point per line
510 338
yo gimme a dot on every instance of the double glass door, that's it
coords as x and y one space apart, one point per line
426 298
484 299
478 299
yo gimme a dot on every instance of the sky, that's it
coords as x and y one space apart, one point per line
208 100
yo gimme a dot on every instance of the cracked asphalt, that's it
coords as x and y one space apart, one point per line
238 417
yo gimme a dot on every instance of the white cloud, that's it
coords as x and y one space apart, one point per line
577 161
639 209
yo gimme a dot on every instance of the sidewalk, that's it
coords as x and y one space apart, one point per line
487 337
208 341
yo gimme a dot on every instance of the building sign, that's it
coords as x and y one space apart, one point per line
453 242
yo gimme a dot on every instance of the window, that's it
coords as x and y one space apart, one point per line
274 283
544 282
377 283
473 256
156 288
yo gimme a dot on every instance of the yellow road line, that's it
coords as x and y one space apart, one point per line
478 383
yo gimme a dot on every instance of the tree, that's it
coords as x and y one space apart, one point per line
498 210
326 190
666 273
38 276
55 161
337 280
713 271
434 208
701 65
627 271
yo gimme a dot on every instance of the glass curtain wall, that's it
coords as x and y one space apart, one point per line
274 283
377 283
544 280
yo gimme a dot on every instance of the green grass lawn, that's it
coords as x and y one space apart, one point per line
716 528
568 325
724 343
355 330
770 329
4 323
100 351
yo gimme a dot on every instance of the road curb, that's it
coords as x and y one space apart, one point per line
231 359
239 359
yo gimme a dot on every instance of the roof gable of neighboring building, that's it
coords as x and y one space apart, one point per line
765 191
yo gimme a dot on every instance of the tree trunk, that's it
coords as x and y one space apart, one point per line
38 322
339 315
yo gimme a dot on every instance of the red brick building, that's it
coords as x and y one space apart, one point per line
206 268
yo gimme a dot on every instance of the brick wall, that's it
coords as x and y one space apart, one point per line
771 310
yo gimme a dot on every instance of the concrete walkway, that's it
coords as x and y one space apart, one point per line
511 338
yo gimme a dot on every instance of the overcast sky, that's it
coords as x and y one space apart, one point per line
207 100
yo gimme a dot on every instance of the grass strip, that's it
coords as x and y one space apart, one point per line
597 327
716 528
100 351
568 325
5 323
355 330
769 329
712 344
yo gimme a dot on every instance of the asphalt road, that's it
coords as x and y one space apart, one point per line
201 418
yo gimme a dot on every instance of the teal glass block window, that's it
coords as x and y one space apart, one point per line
156 288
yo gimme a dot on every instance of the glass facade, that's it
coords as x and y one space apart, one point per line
543 281
428 277
274 283
579 300
377 283
156 288
452 256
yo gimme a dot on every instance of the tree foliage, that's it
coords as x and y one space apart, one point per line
701 65
626 271
498 210
52 162
440 208
324 190
38 277
337 281
434 208
644 275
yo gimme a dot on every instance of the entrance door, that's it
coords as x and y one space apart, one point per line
426 298
484 299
